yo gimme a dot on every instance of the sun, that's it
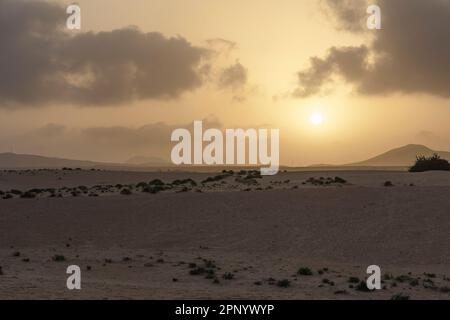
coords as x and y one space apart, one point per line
316 118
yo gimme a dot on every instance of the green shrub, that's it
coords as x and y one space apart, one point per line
435 162
399 296
285 283
362 286
339 180
228 276
353 280
216 178
304 271
126 192
156 182
28 195
58 258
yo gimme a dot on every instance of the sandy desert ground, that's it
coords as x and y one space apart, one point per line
236 235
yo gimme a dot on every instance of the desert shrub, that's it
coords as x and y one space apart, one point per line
153 189
216 178
341 292
126 192
435 162
388 184
328 281
339 180
353 280
362 286
305 271
255 174
414 283
83 188
141 185
228 276
197 271
404 278
209 264
58 258
16 192
429 284
246 181
156 182
399 296
285 283
185 181
28 195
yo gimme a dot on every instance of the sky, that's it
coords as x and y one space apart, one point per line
136 70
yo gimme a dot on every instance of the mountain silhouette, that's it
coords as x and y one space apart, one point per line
403 156
22 161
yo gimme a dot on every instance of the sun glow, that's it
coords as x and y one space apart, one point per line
316 118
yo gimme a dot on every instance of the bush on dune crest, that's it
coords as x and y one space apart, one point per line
435 162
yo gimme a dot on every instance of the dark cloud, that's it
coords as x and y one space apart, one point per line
349 62
234 76
41 63
409 55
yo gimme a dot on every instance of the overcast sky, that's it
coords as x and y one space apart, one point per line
138 69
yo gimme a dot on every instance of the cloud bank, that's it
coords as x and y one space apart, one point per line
410 55
42 63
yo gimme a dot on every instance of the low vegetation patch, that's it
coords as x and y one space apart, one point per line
58 258
435 162
400 296
324 181
285 283
305 271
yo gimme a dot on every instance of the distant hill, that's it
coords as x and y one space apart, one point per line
22 161
399 157
402 157
148 161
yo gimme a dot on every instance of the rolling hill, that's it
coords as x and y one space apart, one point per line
22 161
403 156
